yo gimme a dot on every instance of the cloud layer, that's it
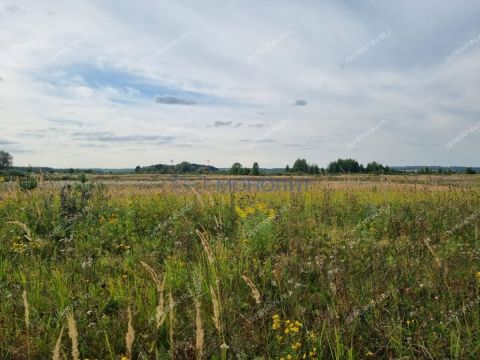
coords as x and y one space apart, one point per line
148 82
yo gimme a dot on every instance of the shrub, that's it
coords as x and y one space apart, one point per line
29 183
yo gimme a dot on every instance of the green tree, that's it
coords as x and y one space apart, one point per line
287 169
300 165
470 171
345 166
376 168
255 169
6 160
236 169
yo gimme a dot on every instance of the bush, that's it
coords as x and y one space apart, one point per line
29 183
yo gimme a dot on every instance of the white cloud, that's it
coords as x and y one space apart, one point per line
103 79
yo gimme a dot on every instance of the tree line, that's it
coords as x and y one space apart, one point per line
300 166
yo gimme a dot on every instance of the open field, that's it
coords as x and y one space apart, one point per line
345 267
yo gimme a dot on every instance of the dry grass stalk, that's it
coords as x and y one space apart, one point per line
199 333
172 322
73 334
27 320
198 196
56 349
216 310
218 221
28 233
130 336
253 288
27 309
437 259
160 312
206 245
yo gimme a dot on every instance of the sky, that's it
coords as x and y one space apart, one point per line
120 83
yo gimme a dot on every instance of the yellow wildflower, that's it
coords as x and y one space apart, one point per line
296 346
261 206
276 322
243 214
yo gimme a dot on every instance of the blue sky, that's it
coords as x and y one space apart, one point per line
123 83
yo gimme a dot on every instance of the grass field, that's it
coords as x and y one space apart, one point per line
344 268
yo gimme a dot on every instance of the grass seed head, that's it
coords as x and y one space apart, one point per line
73 334
253 288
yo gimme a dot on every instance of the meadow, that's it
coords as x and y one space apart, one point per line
341 268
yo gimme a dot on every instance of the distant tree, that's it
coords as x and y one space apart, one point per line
183 167
138 169
255 169
376 168
300 165
236 169
287 169
246 171
6 160
345 166
316 169
470 171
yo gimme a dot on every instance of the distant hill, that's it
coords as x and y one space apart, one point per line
456 169
34 169
182 168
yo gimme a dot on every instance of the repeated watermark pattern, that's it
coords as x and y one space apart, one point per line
268 307
196 292
365 47
463 223
358 312
72 46
462 136
462 49
170 219
383 210
262 185
265 222
269 46
169 46
267 134
241 185
69 221
462 310
367 133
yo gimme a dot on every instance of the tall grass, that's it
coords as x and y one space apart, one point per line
344 270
